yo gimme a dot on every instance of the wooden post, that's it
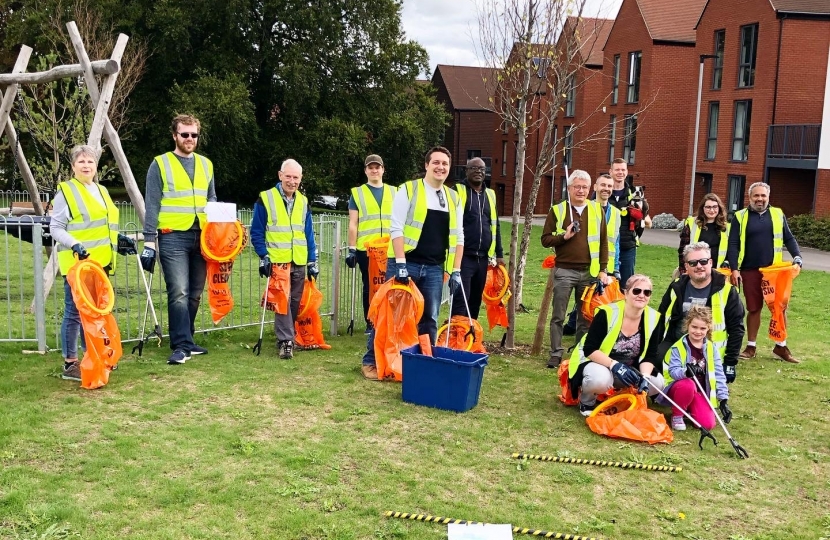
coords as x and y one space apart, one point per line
100 67
104 99
542 319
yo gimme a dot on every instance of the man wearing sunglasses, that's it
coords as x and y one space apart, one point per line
701 285
179 184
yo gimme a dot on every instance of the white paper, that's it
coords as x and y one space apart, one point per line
487 531
220 212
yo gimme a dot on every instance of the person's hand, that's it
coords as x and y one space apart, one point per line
312 270
80 251
693 370
730 373
626 375
725 411
148 259
351 258
401 273
618 276
126 245
455 281
571 230
491 261
797 260
265 266
735 279
604 278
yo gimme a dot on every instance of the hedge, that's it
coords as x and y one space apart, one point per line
810 231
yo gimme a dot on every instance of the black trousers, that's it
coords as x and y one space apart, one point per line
473 276
363 263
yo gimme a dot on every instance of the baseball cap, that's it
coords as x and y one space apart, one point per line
373 158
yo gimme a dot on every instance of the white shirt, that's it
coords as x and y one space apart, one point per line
400 208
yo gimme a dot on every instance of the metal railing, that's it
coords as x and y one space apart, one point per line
793 141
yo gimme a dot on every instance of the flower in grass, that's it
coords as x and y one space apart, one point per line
681 515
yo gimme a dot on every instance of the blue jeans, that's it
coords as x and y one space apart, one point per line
429 279
184 273
71 325
627 259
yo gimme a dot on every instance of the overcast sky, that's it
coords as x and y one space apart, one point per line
446 28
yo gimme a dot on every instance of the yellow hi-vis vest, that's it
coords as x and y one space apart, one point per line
614 313
777 216
373 221
491 198
612 231
93 225
182 200
594 227
416 215
709 352
285 237
694 236
719 335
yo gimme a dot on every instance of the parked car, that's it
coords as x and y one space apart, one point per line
325 201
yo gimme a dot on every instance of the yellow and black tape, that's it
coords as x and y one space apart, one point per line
600 463
516 530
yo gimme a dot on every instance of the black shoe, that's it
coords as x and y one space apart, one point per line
553 362
586 410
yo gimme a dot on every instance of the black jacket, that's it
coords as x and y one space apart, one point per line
628 237
477 233
733 314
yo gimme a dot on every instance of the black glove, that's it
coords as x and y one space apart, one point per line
626 375
725 411
618 277
148 259
351 258
81 251
401 273
694 371
126 245
730 373
265 266
454 282
724 264
312 270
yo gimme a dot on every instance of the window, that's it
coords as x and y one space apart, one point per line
564 194
746 65
712 138
473 153
504 127
717 71
612 137
570 96
735 201
615 94
569 142
635 60
504 158
541 65
630 141
740 137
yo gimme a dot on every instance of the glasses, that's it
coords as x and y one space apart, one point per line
716 207
701 262
441 200
188 135
638 291
478 169
580 188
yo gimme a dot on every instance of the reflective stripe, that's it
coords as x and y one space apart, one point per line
285 234
373 219
680 347
777 217
181 196
93 225
594 229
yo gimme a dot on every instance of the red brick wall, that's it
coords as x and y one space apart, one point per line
792 190
804 47
823 193
474 130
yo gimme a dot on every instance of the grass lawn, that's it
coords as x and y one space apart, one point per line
231 445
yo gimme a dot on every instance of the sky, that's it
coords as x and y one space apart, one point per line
446 28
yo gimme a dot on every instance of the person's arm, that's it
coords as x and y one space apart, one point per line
790 241
721 388
685 239
733 313
211 194
258 223
549 237
400 207
152 204
60 219
351 239
677 370
594 338
311 243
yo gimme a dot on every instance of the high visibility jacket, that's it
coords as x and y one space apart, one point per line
491 198
614 314
93 225
285 236
777 216
373 221
718 300
694 236
612 230
181 200
416 215
594 227
709 352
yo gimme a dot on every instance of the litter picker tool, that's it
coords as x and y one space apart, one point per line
704 433
350 329
148 307
258 346
742 453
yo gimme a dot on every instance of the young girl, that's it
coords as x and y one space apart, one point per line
694 355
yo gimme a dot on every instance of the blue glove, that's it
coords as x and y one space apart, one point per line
265 267
626 375
148 259
80 251
455 281
351 258
725 411
126 245
401 273
313 270
797 260
730 373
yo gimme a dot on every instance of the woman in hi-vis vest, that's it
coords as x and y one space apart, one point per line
84 225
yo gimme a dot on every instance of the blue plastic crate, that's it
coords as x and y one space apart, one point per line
449 380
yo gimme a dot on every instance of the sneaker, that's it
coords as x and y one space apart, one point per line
72 372
749 352
178 357
784 354
554 361
196 350
286 349
586 409
677 423
370 371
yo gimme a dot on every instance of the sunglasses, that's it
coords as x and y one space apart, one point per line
187 135
638 291
441 200
701 262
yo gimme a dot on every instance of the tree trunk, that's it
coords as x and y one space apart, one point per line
521 147
539 335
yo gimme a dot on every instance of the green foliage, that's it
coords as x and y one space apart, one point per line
811 231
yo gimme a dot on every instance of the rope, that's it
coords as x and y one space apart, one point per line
598 463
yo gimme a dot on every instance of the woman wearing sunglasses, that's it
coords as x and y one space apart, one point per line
710 226
620 348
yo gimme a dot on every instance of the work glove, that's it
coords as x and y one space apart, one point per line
148 259
491 261
126 245
401 273
725 264
643 385
80 251
626 375
313 270
797 260
265 266
351 258
455 281
730 373
725 411
618 276
694 371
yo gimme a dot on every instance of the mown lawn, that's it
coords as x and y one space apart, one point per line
231 445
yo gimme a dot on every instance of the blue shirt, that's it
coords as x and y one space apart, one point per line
260 221
376 191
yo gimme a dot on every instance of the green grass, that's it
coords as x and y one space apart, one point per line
231 445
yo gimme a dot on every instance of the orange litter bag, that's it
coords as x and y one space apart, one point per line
395 311
627 416
777 286
308 328
376 251
549 262
94 297
496 294
566 397
221 243
460 338
278 294
591 301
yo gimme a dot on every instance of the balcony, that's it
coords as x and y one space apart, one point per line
793 146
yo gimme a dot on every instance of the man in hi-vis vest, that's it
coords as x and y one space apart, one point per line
179 184
370 214
282 233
